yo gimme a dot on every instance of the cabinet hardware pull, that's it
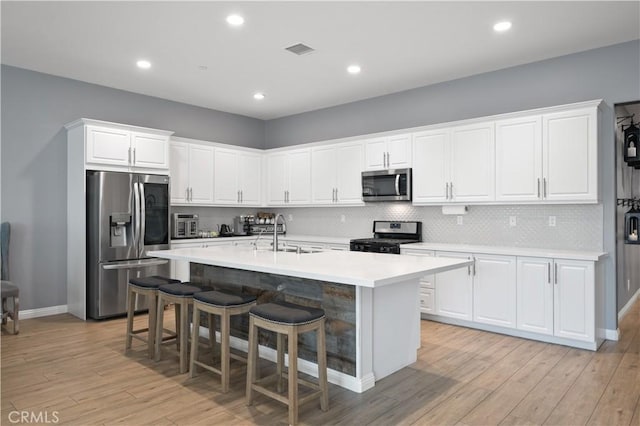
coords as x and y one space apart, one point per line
538 187
336 195
446 191
555 272
134 156
549 273
241 196
388 159
129 156
238 196
451 190
544 187
191 194
186 194
474 266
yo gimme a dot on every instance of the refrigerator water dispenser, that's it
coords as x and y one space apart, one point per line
120 222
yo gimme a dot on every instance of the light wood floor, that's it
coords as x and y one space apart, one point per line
466 377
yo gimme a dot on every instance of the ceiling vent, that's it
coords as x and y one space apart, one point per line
300 49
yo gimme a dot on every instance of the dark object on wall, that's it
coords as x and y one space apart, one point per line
631 136
632 225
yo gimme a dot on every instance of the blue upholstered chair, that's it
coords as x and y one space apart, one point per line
10 292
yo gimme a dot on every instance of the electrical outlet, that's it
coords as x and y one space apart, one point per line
290 218
459 220
512 221
343 219
552 221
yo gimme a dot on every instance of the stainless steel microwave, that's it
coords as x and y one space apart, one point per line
386 185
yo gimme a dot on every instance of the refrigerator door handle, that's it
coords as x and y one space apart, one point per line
136 217
135 264
143 218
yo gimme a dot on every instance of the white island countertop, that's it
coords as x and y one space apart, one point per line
345 267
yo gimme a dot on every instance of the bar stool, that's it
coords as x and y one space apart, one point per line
181 295
145 286
290 320
224 305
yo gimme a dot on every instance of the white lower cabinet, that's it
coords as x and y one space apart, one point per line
557 297
454 290
535 295
574 300
494 290
553 300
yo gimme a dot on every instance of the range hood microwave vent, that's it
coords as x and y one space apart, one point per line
300 49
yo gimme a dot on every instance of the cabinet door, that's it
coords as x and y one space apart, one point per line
454 290
535 295
276 181
225 186
201 160
179 172
349 165
323 174
473 163
574 300
571 155
375 154
519 159
250 179
399 151
494 290
150 151
431 166
299 178
108 146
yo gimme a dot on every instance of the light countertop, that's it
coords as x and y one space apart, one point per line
510 251
345 267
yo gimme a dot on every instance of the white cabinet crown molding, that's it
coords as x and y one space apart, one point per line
120 126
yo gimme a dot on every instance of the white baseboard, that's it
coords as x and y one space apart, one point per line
628 306
42 312
612 334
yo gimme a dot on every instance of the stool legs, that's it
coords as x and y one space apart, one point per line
293 376
184 337
153 315
159 328
194 341
131 302
252 359
322 367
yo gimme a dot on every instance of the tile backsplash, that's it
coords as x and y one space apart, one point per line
577 227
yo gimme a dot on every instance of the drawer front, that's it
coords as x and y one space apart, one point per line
427 301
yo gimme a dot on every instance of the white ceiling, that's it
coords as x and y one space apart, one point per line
400 45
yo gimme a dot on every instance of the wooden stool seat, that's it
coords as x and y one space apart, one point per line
181 295
224 305
145 286
287 319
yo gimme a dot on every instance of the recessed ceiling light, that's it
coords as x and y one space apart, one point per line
258 96
143 64
353 69
502 26
235 20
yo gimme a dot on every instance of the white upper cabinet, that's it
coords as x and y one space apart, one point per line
121 147
289 177
431 166
549 157
237 177
519 159
570 149
191 173
472 163
388 152
336 174
454 165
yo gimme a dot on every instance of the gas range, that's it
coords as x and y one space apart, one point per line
388 236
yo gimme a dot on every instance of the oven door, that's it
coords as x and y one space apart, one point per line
386 185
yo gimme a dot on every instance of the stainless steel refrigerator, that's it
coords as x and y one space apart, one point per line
127 215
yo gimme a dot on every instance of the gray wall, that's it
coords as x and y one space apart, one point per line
610 73
35 108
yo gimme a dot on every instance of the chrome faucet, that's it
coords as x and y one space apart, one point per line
275 231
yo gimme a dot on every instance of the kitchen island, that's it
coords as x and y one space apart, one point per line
371 302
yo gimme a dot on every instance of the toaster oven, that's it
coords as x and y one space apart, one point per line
185 225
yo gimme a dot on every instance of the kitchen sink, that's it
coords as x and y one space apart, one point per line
290 249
